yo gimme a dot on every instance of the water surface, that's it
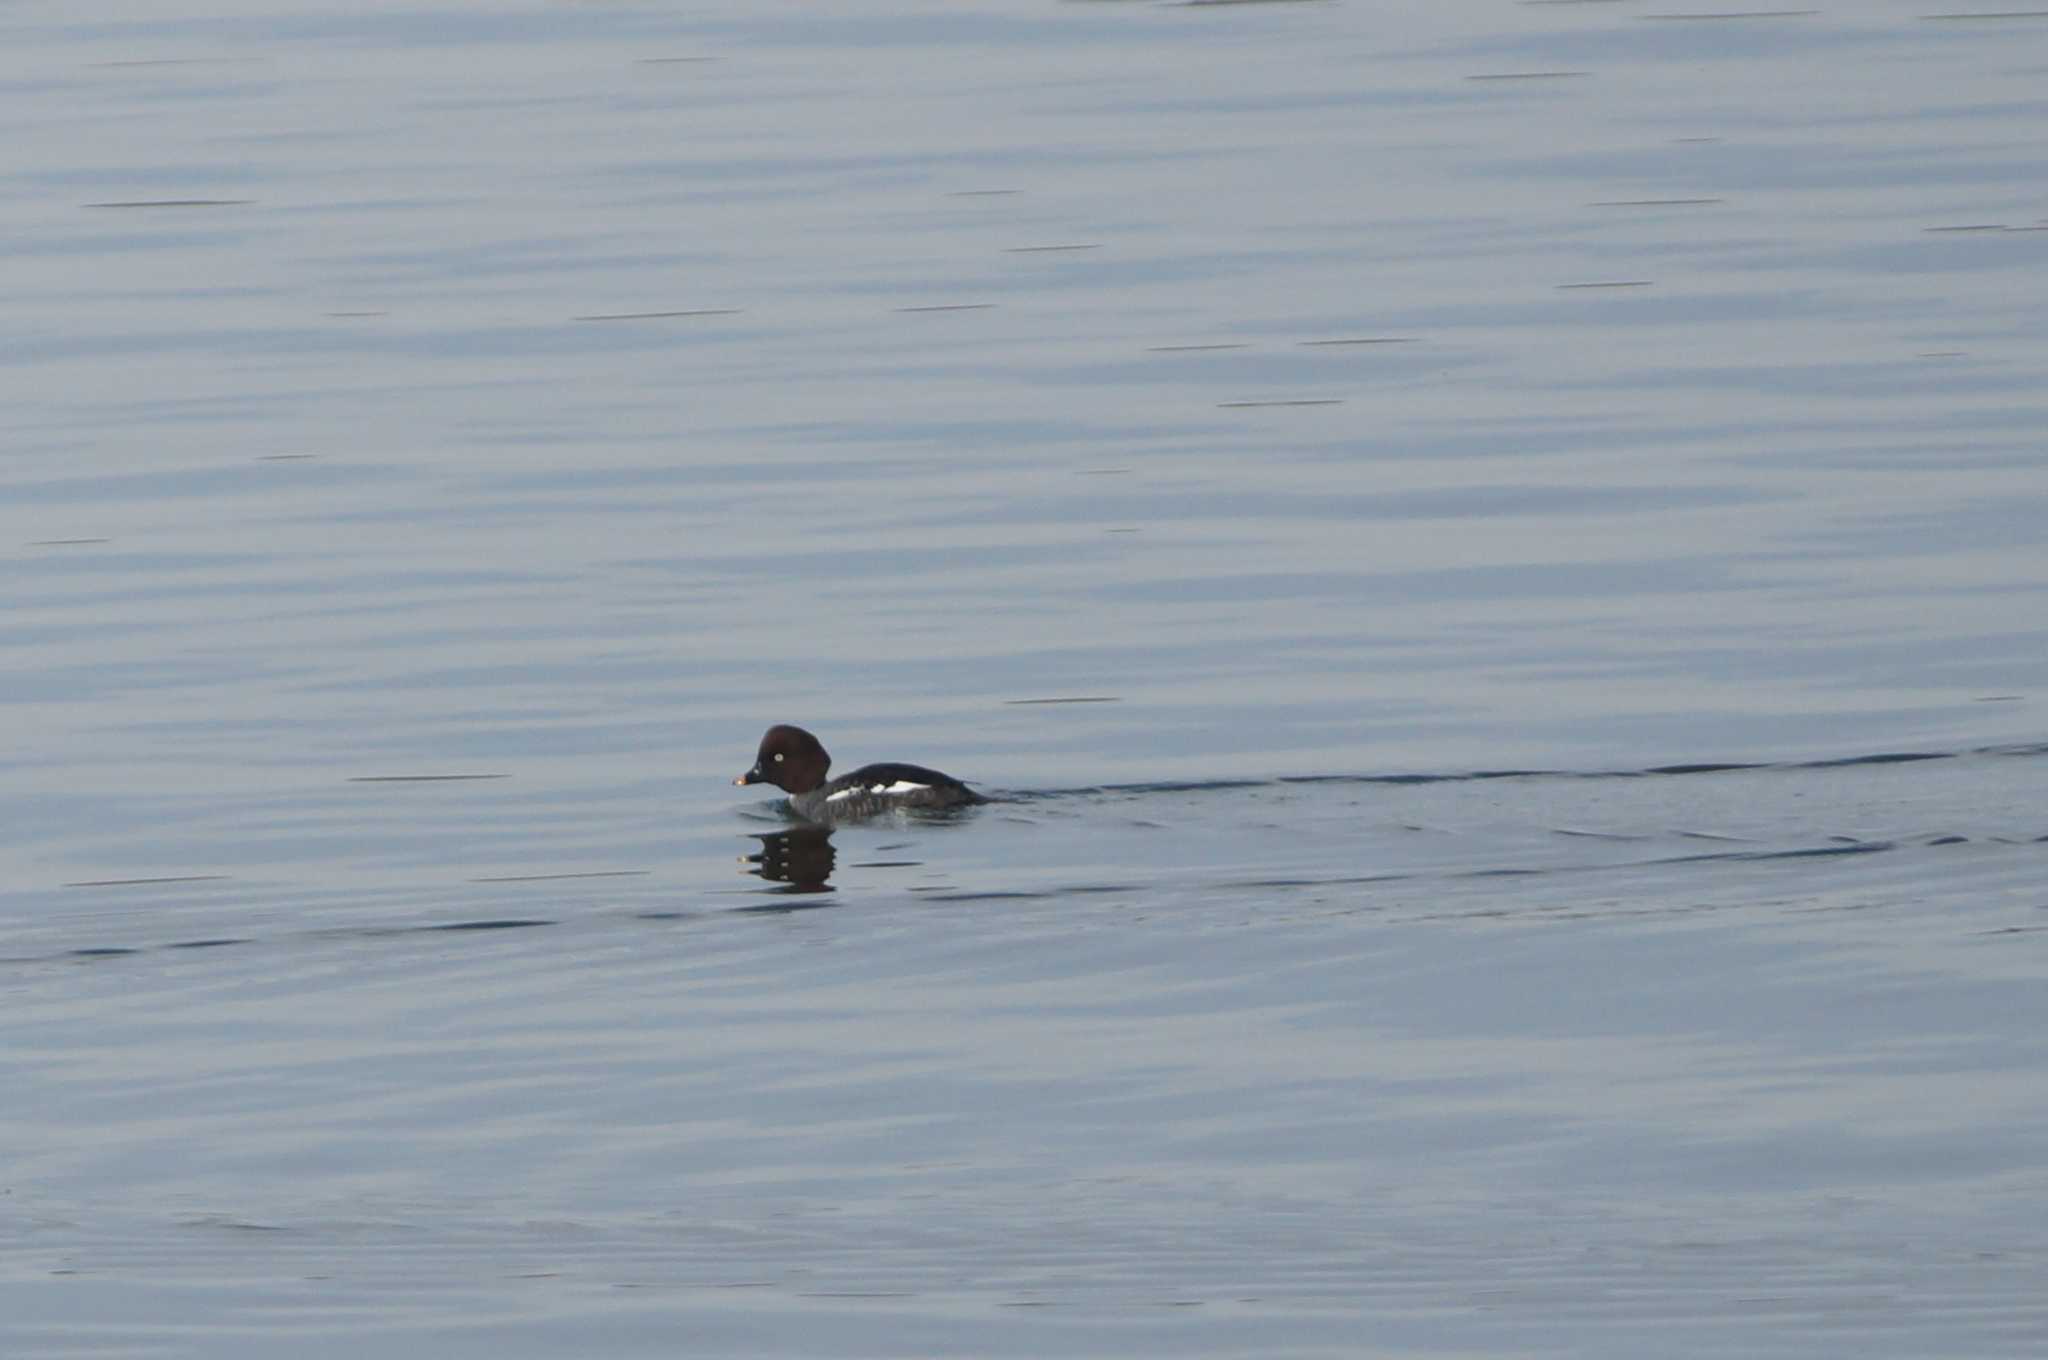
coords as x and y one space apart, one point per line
1517 483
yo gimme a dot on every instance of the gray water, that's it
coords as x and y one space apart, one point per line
1545 503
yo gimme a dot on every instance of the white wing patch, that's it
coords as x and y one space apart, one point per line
900 786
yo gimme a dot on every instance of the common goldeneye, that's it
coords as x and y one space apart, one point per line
795 761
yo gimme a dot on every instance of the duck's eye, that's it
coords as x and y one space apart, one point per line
778 757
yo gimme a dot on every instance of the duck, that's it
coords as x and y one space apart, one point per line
796 762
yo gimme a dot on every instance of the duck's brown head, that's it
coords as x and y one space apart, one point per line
790 758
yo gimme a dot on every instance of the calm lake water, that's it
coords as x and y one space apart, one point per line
1544 505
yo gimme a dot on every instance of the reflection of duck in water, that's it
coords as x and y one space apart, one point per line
801 857
795 761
